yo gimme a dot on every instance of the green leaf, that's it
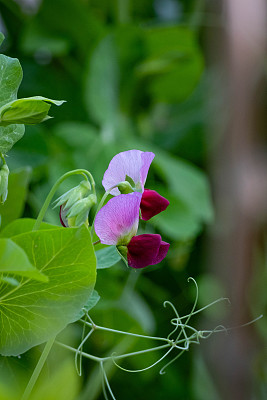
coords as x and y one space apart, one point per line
13 260
174 62
107 257
102 82
34 311
10 79
17 192
30 110
23 225
93 300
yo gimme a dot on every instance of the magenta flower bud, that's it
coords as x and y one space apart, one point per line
146 249
152 204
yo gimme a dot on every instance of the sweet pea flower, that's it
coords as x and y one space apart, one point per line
116 224
129 171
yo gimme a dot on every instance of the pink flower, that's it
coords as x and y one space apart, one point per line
117 223
131 167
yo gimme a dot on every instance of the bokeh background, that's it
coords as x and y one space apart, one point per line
175 78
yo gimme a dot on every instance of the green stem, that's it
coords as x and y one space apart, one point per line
102 328
38 369
54 189
99 359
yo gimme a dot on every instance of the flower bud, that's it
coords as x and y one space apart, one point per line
4 172
73 195
77 214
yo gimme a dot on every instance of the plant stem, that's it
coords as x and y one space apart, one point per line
99 359
102 328
38 369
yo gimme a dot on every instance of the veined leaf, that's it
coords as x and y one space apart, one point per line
23 225
14 260
35 311
31 110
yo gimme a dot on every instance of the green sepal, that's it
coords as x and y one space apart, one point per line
123 250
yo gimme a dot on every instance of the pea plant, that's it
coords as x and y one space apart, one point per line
48 272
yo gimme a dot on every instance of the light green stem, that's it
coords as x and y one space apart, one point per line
38 369
52 192
102 328
99 359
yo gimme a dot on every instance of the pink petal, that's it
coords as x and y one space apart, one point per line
117 222
147 158
152 204
147 249
134 163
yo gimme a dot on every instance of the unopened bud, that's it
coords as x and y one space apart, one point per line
73 195
77 214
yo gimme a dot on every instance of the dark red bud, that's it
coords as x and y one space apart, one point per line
146 249
152 204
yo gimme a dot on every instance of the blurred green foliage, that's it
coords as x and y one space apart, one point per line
133 75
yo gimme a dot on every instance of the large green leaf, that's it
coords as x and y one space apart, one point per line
14 260
34 311
10 79
17 192
23 225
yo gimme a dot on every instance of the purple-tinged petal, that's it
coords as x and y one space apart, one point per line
146 249
152 204
62 216
117 222
147 158
134 163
